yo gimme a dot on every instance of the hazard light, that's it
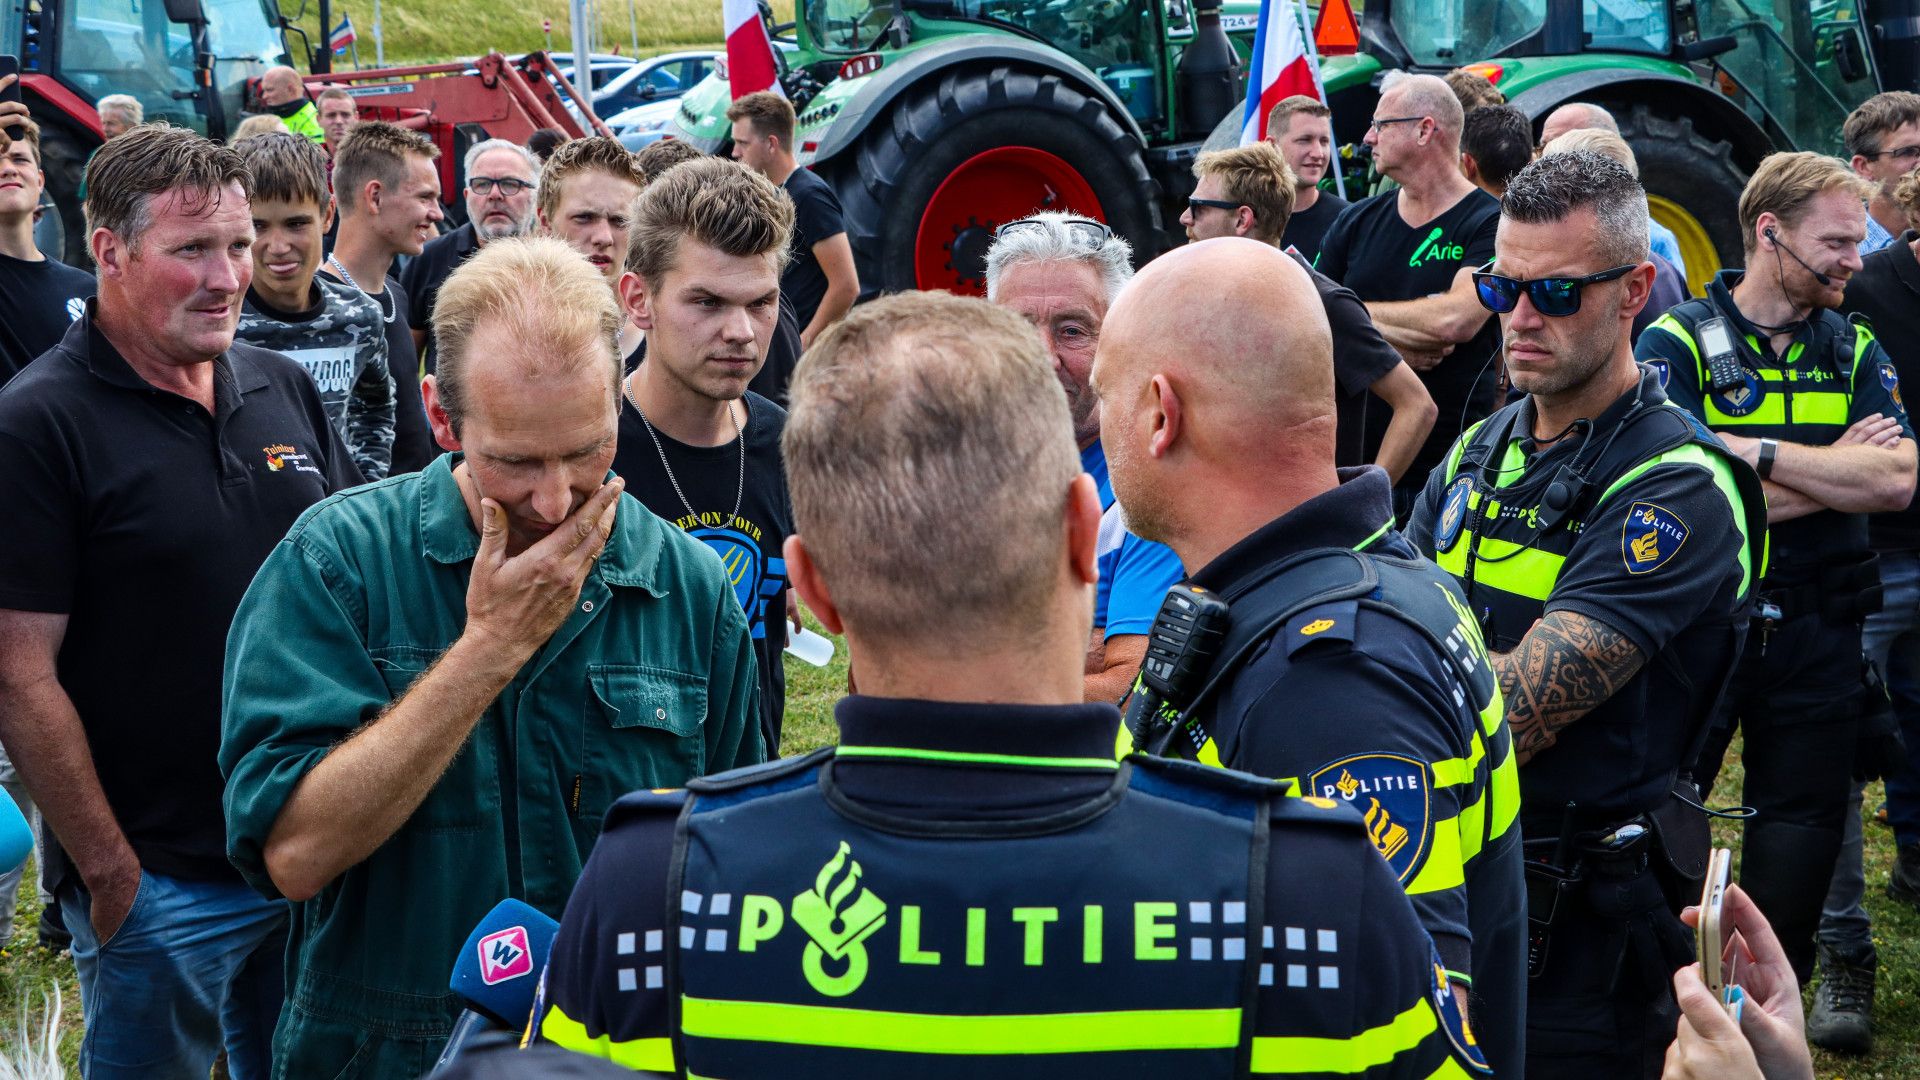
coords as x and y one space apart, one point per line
864 64
1336 32
1489 72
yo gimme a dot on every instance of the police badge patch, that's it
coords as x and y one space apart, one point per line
1453 514
1393 793
1890 381
1660 370
1454 1022
1745 398
1651 536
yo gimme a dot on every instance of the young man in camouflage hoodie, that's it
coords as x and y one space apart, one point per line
333 331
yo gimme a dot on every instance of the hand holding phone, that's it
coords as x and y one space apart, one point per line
13 109
1712 939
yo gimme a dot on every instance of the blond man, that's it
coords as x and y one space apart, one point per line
455 713
586 198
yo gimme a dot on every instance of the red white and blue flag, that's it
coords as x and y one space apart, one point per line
750 63
342 35
1282 65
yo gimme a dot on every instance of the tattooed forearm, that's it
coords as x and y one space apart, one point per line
1561 671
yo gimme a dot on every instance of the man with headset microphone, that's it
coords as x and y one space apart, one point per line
1813 403
1608 544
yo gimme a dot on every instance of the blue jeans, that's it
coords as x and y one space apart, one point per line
196 966
1892 641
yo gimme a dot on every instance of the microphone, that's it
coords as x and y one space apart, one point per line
16 837
497 972
1823 279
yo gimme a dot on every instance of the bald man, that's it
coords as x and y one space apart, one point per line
1350 667
1410 254
285 96
1585 116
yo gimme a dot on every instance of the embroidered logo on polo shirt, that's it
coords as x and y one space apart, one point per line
1650 537
281 457
1890 381
76 307
1391 793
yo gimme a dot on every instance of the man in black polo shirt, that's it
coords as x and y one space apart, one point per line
820 279
1411 253
40 296
148 464
501 179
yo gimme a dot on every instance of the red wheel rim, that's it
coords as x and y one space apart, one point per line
987 190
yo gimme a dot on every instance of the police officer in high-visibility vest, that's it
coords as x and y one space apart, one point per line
964 889
1345 664
1608 544
1811 401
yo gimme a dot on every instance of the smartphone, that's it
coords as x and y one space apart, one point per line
10 65
1711 938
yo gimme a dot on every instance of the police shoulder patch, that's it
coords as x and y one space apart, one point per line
1322 622
1453 1021
1393 794
1650 537
1890 381
1453 514
1661 370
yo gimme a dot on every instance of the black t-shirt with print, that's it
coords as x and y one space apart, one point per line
749 544
38 301
1307 229
1374 252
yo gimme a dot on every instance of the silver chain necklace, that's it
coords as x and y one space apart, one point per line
334 261
739 435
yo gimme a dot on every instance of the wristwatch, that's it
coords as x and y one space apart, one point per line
1768 449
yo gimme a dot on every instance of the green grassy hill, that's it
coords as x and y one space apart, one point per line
429 31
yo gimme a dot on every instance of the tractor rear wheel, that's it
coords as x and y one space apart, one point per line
971 150
1693 187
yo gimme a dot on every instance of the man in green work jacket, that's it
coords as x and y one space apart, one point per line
437 684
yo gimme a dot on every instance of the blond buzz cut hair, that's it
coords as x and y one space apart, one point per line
1785 183
716 202
536 290
375 150
905 401
1291 106
597 153
1255 176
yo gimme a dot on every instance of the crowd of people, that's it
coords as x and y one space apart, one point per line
1433 545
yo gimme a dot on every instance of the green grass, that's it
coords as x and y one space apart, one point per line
27 974
433 31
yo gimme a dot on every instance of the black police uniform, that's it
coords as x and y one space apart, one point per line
972 890
1646 524
1354 672
1798 691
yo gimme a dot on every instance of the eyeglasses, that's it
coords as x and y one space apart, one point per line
1376 124
508 185
1555 297
1905 155
1196 205
1085 230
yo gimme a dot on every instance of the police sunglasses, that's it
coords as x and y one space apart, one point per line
1085 230
1555 297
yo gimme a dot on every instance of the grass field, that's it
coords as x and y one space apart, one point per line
28 974
429 31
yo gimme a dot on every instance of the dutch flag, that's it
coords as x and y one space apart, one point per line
750 63
1281 65
342 35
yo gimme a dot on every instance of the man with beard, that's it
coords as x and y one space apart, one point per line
1812 402
1608 546
502 178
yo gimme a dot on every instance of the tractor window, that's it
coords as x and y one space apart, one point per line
1102 34
846 26
1626 26
127 47
1792 64
1450 32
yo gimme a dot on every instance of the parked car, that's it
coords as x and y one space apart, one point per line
657 78
644 123
604 66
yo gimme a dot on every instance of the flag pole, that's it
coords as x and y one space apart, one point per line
1313 61
379 40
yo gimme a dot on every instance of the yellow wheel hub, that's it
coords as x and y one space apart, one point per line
1696 247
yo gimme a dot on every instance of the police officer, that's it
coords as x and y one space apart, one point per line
1607 543
965 889
1349 667
1813 404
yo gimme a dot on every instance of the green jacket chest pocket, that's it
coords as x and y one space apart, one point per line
643 729
468 794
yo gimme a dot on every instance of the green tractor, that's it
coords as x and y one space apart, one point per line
1703 89
936 120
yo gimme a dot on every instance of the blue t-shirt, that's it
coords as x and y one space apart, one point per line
1135 574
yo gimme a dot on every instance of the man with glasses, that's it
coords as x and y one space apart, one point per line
501 182
1410 255
1882 137
1812 402
1608 547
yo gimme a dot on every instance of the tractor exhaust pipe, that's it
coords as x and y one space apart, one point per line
1208 78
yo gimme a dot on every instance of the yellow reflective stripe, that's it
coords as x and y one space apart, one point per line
930 1033
1452 1070
1820 407
1450 771
1772 410
1210 754
655 1055
1504 790
1444 866
1512 568
1471 828
1282 1054
1123 741
1722 473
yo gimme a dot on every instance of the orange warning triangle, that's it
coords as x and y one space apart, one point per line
1336 33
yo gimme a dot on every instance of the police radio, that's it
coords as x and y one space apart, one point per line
1723 363
1186 637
